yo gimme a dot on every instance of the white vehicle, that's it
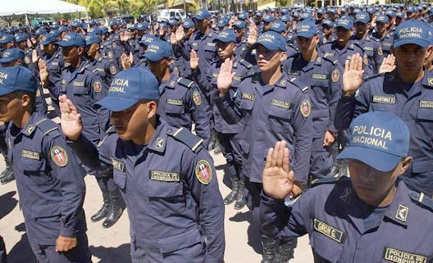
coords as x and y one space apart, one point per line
168 13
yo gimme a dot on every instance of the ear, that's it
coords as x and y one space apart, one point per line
25 100
283 56
405 165
80 50
151 107
429 51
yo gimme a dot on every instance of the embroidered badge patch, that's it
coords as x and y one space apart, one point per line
335 76
59 156
305 108
402 213
196 97
203 172
97 86
113 70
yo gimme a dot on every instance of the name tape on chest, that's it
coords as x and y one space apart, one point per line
164 176
248 96
319 76
281 104
327 230
426 104
399 256
175 102
384 99
118 165
30 155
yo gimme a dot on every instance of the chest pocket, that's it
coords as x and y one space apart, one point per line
120 179
279 119
80 91
195 46
165 198
325 249
35 171
425 114
246 105
210 48
174 109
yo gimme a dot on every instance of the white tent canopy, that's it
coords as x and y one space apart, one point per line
32 7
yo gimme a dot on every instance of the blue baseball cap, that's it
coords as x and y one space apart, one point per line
411 9
379 139
226 36
6 38
345 22
222 22
72 39
188 23
278 26
400 15
113 23
95 30
20 37
382 19
269 18
306 16
129 87
327 22
412 32
76 24
92 38
390 13
239 24
40 31
285 18
173 22
362 17
158 50
142 26
146 39
202 14
12 54
272 41
306 29
104 30
48 39
17 79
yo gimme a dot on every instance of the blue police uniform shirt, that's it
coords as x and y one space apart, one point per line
205 48
170 189
373 55
341 229
333 51
180 104
55 65
272 113
50 181
386 42
413 104
103 68
84 88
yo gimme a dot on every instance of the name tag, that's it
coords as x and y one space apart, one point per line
398 256
63 82
281 104
426 104
30 155
215 75
237 78
327 230
118 165
78 83
248 96
175 102
164 176
368 48
387 44
54 63
319 76
384 99
211 44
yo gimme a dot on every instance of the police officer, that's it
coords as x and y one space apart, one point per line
274 106
49 178
314 70
372 211
180 98
382 35
407 92
166 176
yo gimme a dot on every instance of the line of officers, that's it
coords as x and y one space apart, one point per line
283 77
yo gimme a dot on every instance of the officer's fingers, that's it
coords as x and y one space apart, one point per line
291 176
275 154
359 63
346 65
286 158
269 158
233 75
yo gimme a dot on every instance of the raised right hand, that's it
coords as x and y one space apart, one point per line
193 60
70 119
225 77
352 76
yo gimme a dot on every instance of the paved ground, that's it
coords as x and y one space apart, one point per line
112 245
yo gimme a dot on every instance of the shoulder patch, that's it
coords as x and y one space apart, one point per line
422 200
305 108
299 84
185 82
335 75
47 126
188 138
59 156
203 171
196 97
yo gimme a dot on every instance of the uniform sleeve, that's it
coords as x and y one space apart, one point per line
67 169
202 180
99 91
378 56
303 131
199 115
229 106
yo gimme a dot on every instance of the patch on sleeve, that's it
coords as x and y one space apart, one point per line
305 108
397 256
59 156
97 86
113 70
196 97
203 172
380 51
335 76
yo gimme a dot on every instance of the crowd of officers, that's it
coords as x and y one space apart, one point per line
129 97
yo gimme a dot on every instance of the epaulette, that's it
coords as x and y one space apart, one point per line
185 82
299 84
325 180
332 61
374 76
46 126
110 130
189 139
422 200
245 63
359 46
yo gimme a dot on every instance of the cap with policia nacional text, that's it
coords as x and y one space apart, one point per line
17 79
412 32
379 139
129 87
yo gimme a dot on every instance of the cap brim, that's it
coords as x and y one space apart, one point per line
345 27
268 45
116 104
66 44
7 60
305 34
379 160
5 91
153 57
419 42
